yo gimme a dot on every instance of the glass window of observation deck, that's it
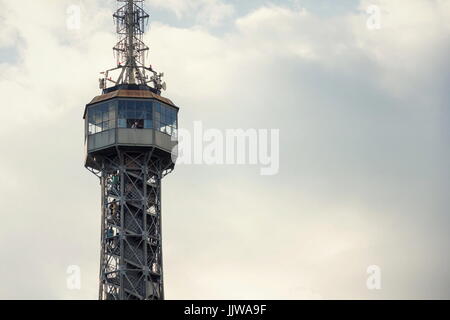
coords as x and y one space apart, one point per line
135 114
166 119
101 117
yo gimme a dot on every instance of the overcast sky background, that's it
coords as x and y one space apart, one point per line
364 155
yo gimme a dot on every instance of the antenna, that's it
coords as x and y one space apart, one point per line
130 50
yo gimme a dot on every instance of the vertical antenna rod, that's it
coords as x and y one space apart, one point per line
130 50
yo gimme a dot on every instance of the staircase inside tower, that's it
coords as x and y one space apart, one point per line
131 260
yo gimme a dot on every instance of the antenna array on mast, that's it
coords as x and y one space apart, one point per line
130 50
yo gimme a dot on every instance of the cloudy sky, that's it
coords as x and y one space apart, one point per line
363 114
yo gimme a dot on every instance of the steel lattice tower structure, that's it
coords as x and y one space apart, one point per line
131 144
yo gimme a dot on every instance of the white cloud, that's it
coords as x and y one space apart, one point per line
355 171
51 58
397 57
410 44
209 12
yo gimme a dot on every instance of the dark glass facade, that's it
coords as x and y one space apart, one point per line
132 114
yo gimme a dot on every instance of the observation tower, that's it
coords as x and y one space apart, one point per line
131 143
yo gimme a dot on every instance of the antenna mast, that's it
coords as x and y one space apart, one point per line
130 50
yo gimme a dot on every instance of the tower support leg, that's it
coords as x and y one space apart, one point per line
131 265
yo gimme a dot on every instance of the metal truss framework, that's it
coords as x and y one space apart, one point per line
131 260
130 50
